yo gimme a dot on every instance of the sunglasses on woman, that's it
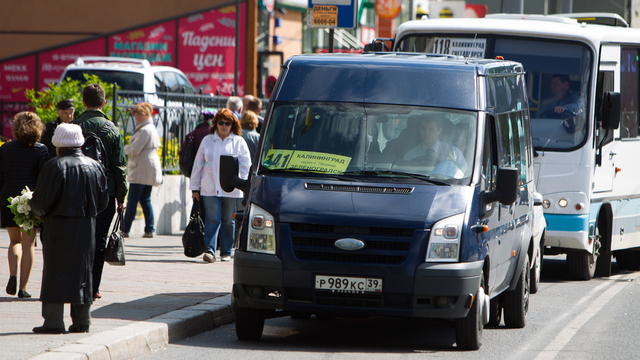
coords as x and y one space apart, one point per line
225 123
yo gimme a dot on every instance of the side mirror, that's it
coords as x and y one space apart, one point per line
611 110
506 190
229 179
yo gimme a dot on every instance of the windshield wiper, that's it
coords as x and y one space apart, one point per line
402 173
314 173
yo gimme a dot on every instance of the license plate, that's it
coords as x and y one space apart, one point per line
356 285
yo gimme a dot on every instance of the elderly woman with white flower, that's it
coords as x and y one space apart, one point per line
20 163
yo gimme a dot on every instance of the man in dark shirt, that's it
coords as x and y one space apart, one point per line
93 120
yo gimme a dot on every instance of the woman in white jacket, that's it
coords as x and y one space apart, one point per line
223 139
143 170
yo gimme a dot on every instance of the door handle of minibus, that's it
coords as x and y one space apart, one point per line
612 154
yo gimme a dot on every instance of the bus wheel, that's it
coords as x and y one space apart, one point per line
627 259
469 329
581 266
516 301
249 324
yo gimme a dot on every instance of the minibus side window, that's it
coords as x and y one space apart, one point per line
489 169
505 134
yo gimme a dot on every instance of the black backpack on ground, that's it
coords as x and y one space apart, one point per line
93 147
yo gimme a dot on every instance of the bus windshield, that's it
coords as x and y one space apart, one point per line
385 141
557 76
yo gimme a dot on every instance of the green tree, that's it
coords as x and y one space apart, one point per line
44 102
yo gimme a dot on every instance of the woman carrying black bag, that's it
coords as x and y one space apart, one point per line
193 237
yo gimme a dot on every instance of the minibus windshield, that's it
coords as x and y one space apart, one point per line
364 140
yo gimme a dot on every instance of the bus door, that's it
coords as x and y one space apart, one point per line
608 76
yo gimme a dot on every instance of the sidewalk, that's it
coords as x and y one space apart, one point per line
159 296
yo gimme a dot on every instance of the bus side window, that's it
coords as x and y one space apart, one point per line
629 92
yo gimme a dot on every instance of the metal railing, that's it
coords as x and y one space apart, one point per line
175 115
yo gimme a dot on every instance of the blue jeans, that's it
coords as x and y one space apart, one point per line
218 223
139 193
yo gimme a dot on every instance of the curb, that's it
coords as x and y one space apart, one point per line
141 337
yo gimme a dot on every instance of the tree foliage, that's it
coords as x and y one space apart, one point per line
44 102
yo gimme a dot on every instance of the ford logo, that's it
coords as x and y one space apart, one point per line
349 244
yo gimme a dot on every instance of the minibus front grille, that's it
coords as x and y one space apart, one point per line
347 257
387 246
351 230
329 243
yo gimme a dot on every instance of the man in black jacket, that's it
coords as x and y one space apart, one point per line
66 109
93 120
70 192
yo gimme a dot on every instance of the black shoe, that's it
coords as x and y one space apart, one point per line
23 294
46 330
79 328
11 285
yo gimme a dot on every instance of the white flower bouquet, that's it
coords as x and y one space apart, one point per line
21 210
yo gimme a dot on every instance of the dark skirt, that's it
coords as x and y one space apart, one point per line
6 217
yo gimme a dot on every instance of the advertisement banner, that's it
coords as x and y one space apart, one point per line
206 44
53 62
16 76
155 43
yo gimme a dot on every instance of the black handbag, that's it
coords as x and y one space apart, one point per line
193 237
188 155
114 253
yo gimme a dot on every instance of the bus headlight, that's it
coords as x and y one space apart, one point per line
262 237
444 241
563 203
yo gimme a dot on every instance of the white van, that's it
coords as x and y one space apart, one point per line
130 74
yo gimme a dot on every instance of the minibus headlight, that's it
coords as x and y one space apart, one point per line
262 237
444 241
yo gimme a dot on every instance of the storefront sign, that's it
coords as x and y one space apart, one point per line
16 76
206 44
155 43
325 15
53 62
388 9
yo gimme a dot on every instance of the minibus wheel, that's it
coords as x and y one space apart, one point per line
469 329
516 301
249 323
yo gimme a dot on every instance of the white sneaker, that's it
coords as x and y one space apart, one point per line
209 258
225 258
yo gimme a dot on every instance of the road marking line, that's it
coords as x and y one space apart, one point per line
568 332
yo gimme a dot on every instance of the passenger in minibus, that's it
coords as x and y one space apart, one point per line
431 151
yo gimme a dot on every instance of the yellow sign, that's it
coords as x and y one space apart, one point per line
306 160
325 15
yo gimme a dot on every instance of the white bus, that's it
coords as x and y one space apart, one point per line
583 84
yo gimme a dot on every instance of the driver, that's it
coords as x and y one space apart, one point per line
564 99
431 150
